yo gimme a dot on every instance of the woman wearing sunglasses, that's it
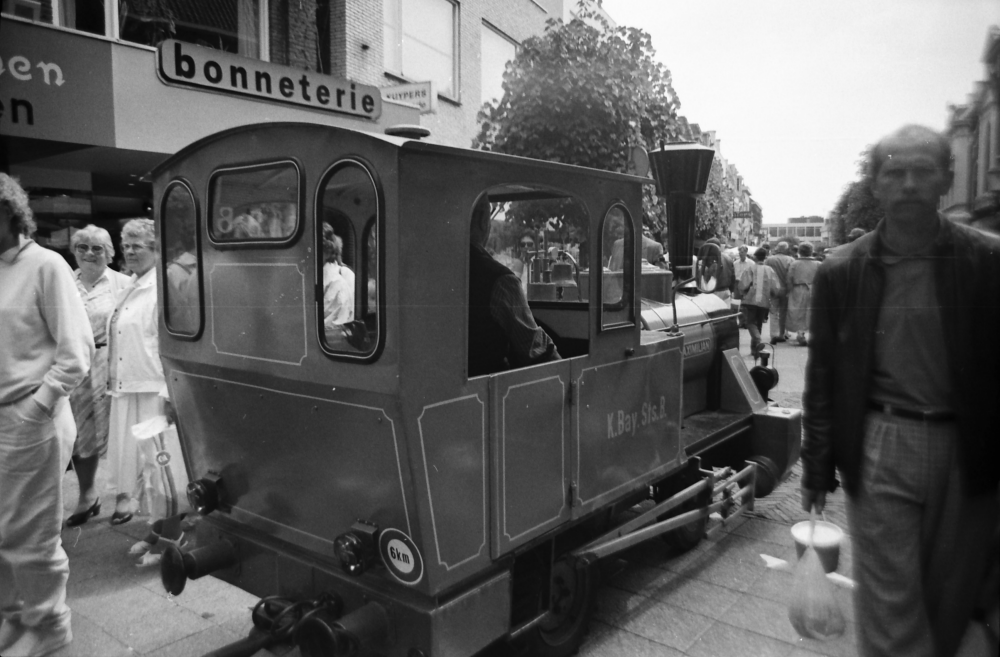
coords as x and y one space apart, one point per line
98 287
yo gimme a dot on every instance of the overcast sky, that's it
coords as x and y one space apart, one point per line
796 89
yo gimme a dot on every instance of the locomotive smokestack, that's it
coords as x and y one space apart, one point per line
681 173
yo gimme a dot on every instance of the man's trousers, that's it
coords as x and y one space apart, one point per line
921 545
34 452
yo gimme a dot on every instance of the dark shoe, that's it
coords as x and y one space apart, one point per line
84 516
119 518
775 341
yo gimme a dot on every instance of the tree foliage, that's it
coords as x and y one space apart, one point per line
714 208
584 95
857 207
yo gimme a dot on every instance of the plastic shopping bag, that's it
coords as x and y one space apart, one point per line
163 473
813 610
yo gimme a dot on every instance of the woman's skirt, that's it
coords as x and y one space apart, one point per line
127 469
91 405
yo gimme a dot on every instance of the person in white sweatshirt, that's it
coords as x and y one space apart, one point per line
45 352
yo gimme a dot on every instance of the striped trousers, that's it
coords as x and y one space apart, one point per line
921 544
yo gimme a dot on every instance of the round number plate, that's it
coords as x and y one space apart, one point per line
400 556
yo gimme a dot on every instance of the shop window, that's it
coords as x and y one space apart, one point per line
347 212
496 50
617 249
83 15
179 239
420 40
235 26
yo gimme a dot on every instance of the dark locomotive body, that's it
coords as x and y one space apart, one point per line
440 510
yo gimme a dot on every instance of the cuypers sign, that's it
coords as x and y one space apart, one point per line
206 68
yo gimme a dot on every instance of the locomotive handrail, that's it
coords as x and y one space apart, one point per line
709 320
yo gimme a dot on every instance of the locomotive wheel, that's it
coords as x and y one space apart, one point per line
573 591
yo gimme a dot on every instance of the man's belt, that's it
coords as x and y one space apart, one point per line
923 416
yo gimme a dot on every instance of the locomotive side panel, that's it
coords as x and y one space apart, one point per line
531 452
628 416
353 470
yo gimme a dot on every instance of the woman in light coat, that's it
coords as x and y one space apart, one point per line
135 374
800 280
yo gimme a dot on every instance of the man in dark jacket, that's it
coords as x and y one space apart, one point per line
502 331
903 398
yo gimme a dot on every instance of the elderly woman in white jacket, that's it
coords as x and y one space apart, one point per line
135 374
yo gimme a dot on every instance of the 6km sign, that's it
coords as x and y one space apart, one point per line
400 556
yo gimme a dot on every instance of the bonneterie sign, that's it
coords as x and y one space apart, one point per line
196 66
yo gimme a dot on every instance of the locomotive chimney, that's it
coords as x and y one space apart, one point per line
681 173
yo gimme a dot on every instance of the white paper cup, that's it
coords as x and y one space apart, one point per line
826 542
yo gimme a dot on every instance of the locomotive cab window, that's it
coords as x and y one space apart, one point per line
179 237
255 204
347 213
617 249
530 304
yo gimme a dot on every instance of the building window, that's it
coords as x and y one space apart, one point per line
83 15
234 26
420 38
495 51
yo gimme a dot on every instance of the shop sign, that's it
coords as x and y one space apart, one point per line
55 86
206 68
742 214
421 94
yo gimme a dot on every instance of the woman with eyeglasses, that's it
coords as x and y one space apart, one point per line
135 374
98 287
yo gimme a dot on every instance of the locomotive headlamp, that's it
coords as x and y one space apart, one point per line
205 494
356 548
764 376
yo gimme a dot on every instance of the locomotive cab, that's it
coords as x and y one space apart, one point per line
314 336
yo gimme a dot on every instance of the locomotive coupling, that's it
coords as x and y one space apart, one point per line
321 635
205 494
177 567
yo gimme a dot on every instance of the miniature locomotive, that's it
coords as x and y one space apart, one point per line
356 470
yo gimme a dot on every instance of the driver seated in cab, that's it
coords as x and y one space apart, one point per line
502 332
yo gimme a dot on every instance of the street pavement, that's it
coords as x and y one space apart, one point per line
717 600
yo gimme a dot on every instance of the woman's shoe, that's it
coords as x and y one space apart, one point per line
123 510
83 516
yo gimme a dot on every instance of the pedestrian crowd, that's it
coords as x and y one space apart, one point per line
775 289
